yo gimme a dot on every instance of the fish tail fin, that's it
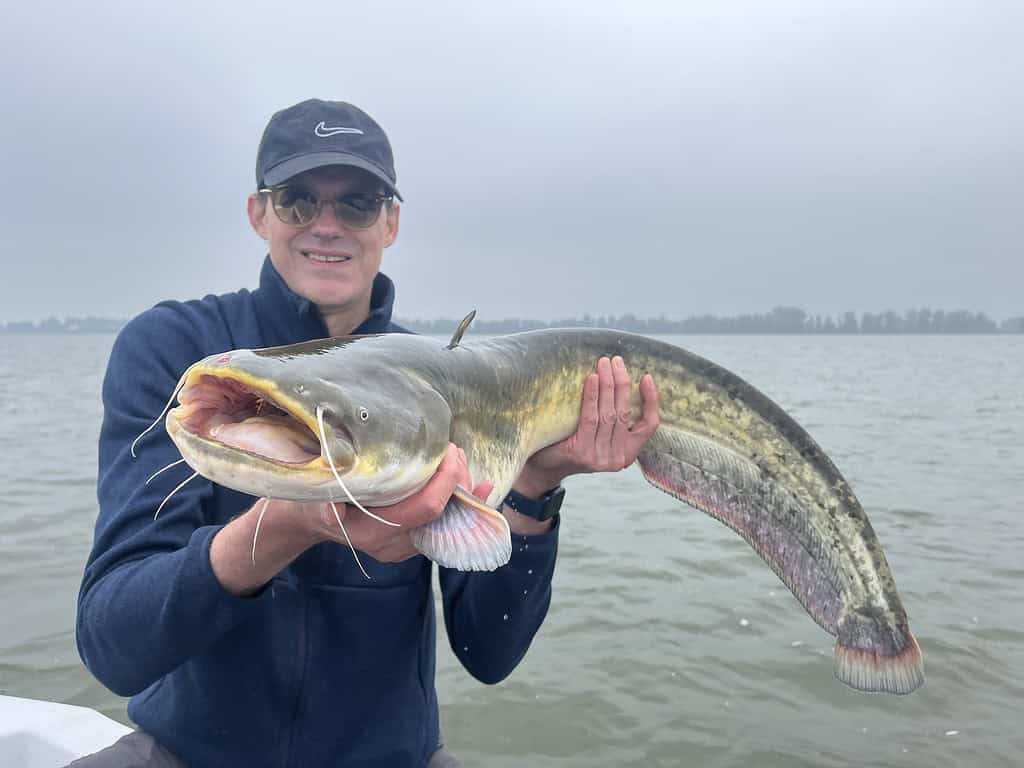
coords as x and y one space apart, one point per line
894 666
875 650
468 536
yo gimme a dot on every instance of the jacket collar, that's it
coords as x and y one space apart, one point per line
288 318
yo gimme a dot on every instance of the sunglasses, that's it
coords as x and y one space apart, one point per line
298 207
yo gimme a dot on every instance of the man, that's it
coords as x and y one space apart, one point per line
297 660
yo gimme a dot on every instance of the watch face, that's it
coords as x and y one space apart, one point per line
542 509
554 503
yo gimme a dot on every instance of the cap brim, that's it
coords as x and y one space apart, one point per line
281 172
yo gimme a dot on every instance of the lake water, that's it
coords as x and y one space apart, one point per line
668 643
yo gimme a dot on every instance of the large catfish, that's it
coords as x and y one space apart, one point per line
374 415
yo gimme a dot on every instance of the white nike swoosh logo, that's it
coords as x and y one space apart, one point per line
323 131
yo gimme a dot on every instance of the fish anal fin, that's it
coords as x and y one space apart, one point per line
875 650
765 515
468 536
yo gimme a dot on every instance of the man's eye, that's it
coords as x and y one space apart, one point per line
292 196
362 203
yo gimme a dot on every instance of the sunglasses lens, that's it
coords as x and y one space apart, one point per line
294 206
358 210
298 207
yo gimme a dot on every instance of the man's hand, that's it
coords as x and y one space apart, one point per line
606 439
243 563
387 543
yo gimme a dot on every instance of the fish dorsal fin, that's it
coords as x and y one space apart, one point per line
457 336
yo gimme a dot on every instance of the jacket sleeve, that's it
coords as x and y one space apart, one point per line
149 599
491 618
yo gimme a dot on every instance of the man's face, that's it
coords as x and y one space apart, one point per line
336 284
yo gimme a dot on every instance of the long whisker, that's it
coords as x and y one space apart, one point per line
172 464
178 488
327 451
259 519
170 400
356 556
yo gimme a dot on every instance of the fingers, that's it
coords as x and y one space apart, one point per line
388 544
606 410
590 416
613 442
618 447
483 490
623 388
426 505
381 542
623 412
651 407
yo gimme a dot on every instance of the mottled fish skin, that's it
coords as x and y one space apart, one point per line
722 447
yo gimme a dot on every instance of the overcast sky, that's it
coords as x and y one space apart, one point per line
556 158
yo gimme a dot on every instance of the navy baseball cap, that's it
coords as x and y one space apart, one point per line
315 133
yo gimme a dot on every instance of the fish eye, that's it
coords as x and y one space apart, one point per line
363 414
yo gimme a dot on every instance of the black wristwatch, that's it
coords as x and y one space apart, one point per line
542 509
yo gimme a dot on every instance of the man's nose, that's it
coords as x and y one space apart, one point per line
326 224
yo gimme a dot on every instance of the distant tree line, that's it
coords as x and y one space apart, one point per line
779 320
67 325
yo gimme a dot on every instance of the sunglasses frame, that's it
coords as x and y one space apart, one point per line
380 198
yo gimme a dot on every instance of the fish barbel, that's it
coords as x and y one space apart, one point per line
379 412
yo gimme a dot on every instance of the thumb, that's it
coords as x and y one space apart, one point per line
483 490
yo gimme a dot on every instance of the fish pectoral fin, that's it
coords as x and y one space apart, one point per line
468 536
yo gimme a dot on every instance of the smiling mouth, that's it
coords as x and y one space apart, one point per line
322 259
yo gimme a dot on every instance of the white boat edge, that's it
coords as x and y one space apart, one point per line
46 734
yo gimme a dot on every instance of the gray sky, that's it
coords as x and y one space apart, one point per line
556 157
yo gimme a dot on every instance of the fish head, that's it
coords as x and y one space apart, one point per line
396 426
271 426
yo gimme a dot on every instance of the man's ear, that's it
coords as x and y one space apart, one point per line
392 224
256 207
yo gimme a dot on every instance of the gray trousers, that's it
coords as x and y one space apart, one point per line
140 750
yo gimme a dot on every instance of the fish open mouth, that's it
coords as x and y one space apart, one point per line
241 415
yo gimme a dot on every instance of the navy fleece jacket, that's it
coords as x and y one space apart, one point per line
319 668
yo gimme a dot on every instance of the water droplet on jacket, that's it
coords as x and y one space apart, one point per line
505 617
744 623
529 572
